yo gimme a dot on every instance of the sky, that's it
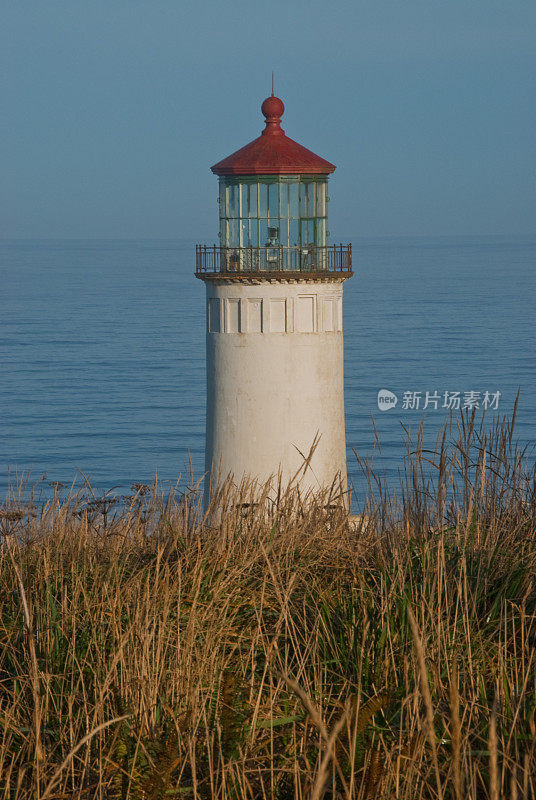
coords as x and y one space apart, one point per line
114 110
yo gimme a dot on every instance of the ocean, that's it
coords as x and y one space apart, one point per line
102 354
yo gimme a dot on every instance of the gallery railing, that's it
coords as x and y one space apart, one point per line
212 259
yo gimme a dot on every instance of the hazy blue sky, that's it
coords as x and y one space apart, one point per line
114 110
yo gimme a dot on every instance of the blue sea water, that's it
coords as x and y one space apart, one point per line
102 351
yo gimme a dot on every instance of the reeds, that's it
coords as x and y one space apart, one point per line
285 652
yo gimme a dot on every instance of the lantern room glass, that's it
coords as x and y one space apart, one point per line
285 212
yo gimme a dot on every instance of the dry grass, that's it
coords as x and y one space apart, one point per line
145 654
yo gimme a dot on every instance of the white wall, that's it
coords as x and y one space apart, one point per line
275 379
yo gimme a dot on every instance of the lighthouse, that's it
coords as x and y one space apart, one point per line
274 336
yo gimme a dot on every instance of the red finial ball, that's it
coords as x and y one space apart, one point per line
273 107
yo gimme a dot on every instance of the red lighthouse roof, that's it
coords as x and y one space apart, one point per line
273 153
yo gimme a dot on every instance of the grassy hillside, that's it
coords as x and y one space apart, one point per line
284 653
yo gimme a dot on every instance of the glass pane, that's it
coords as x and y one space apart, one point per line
309 203
222 232
273 194
294 200
307 232
235 207
311 191
232 201
321 232
252 193
283 199
263 200
303 200
263 232
273 231
307 199
254 232
222 199
244 200
311 199
283 231
233 233
244 233
320 199
294 232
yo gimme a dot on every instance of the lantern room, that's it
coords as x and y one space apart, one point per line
267 210
273 207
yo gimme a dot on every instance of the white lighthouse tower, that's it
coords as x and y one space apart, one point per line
274 320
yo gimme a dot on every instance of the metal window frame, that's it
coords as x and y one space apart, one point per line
226 182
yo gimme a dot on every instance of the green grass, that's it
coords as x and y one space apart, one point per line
284 653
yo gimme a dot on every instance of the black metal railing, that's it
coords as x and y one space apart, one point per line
212 259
